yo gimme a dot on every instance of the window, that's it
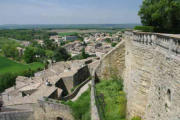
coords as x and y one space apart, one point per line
59 118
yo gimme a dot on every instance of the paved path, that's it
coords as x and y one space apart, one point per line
81 91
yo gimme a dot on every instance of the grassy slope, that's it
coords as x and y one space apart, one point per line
7 66
81 107
111 100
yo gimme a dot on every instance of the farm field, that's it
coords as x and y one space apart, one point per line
10 66
68 34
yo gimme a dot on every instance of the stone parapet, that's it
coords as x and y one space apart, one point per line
168 42
149 64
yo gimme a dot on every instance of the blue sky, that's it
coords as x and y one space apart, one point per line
69 11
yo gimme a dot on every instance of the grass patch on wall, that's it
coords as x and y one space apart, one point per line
136 118
111 100
81 107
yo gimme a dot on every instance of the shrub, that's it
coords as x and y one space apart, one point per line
46 99
108 40
7 80
144 28
136 118
113 44
61 54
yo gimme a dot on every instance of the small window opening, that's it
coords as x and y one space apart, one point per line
59 118
168 100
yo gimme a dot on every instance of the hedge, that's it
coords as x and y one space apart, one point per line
145 28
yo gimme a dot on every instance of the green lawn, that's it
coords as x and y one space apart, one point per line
10 66
111 100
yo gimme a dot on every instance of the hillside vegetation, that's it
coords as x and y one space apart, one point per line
10 69
9 66
26 34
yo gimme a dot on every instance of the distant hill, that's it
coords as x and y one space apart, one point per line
68 26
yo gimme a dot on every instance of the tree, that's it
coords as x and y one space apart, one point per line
61 54
6 80
33 54
49 44
164 15
29 55
49 54
10 50
84 55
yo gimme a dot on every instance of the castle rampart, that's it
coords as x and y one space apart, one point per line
149 63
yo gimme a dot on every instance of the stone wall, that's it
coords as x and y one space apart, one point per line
150 66
75 79
17 115
75 92
112 63
81 75
50 110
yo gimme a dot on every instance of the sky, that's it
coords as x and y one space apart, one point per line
69 11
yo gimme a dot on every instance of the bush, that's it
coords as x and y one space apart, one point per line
113 44
136 118
61 54
7 80
144 28
29 72
108 40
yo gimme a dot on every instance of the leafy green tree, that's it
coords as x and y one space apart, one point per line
49 54
108 40
61 54
49 44
164 15
34 54
10 50
6 81
84 55
29 55
113 44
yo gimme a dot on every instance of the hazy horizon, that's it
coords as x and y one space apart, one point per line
22 12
